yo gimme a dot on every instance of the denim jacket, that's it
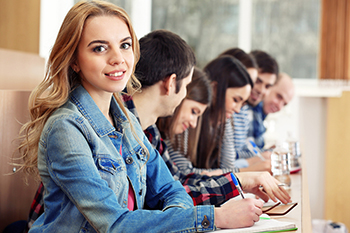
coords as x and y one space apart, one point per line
86 178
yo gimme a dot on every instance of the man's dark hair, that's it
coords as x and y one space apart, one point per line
266 63
246 59
163 53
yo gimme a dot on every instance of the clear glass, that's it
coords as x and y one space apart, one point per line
295 154
280 166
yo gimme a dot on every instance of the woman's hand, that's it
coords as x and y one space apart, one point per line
238 213
263 185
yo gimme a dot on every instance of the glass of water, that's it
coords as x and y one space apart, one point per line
280 165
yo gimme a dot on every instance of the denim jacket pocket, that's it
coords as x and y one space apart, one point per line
109 165
113 171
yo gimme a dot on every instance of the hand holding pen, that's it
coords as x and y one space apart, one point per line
235 181
263 185
254 149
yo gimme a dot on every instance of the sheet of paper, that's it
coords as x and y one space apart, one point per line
264 225
250 195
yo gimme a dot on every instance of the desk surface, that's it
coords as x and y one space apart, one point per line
299 192
301 213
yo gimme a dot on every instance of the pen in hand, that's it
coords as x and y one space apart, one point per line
235 181
255 149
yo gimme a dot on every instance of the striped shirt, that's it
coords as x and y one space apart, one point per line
184 164
248 123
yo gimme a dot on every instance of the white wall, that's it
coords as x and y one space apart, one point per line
52 13
312 126
141 16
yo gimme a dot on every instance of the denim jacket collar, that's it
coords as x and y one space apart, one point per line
88 108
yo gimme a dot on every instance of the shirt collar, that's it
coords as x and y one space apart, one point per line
88 108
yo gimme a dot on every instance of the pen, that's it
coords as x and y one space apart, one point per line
255 149
235 181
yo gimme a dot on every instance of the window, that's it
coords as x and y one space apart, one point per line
209 27
287 29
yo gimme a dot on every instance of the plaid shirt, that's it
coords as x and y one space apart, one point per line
37 207
204 190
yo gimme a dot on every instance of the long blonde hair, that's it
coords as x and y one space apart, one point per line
60 79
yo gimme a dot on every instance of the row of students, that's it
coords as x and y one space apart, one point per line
243 122
228 146
223 141
99 171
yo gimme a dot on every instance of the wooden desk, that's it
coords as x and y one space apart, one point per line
301 213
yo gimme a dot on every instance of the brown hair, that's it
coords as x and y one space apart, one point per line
226 72
247 59
199 90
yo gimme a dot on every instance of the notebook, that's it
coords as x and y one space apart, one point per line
265 224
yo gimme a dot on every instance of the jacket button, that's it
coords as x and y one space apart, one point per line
142 152
205 222
129 160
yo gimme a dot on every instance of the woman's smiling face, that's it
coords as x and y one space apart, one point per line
105 58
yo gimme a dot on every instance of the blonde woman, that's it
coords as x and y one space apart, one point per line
97 167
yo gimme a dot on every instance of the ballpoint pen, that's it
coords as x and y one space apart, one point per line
255 149
235 181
